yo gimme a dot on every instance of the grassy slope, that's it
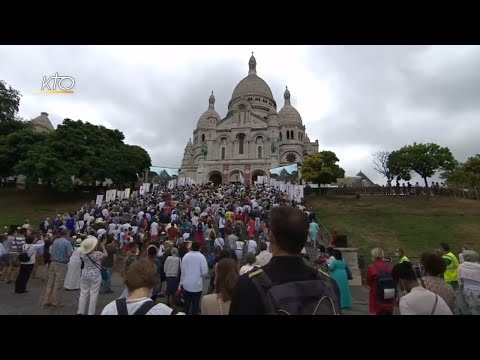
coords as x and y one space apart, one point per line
416 223
16 206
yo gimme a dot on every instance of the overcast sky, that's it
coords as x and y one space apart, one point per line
354 99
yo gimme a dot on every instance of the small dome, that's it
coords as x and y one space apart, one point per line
189 144
209 118
288 115
307 139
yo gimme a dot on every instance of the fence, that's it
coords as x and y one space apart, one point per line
392 191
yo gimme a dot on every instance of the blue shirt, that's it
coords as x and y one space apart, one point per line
61 250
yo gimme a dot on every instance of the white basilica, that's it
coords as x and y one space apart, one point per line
250 140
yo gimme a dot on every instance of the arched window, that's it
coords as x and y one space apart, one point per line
242 114
223 153
280 136
291 135
241 140
203 137
288 135
259 152
299 136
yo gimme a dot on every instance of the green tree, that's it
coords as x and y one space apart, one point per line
9 104
322 168
15 148
83 151
424 159
465 176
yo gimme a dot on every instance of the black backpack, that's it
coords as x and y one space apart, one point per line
385 283
306 297
23 256
142 310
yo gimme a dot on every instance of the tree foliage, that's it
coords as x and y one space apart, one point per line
15 148
322 168
85 152
9 104
464 176
424 159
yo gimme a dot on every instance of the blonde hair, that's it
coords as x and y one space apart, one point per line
377 253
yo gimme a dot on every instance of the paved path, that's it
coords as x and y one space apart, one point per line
30 302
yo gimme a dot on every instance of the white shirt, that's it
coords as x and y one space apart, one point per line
263 258
154 229
2 250
31 250
420 301
105 213
219 242
111 227
246 268
221 223
134 305
252 246
194 268
79 225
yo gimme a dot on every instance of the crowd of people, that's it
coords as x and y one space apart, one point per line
250 241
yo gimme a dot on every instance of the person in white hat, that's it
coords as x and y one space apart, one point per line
91 278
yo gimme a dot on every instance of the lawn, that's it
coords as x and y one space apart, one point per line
18 205
417 224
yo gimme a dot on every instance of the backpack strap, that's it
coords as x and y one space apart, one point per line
263 283
121 306
145 308
434 305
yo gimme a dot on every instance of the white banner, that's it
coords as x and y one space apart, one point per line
146 186
142 190
99 200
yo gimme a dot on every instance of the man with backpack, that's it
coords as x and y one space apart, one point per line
286 285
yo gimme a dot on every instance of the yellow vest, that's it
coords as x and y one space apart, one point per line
403 259
451 274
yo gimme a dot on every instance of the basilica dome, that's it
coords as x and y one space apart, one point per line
252 84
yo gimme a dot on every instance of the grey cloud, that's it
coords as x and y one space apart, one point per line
386 100
383 97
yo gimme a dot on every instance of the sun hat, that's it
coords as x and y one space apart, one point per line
88 244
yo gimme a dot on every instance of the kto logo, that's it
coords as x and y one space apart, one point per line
57 84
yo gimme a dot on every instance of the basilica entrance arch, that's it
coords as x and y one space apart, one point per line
257 173
215 177
235 176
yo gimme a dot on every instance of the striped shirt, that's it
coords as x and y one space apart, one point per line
17 244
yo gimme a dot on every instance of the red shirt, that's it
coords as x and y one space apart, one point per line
375 304
172 233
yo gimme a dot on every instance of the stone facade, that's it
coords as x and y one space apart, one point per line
250 140
42 123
